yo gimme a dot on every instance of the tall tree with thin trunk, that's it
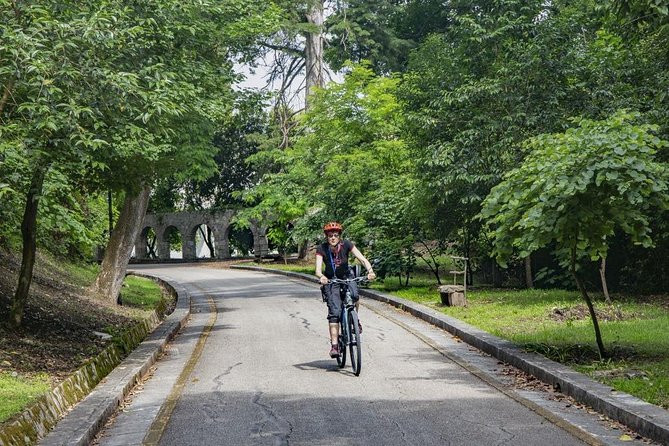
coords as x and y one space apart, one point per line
29 235
313 49
576 189
296 52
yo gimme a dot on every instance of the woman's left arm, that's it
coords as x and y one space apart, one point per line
368 266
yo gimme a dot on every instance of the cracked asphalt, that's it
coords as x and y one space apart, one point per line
251 368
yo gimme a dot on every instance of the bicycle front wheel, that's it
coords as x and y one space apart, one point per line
341 359
354 342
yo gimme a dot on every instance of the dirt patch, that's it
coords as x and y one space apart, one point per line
58 333
580 312
655 299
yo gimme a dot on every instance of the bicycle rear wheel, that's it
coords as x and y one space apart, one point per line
354 342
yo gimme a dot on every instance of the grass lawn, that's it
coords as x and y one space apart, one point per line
141 292
16 392
556 323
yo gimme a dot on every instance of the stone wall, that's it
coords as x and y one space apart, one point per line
187 223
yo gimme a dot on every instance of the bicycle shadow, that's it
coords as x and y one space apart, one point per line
321 364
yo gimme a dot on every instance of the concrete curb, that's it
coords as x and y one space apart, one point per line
647 419
80 426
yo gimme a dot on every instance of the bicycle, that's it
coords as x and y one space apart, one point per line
349 332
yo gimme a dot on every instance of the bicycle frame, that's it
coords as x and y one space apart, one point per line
349 333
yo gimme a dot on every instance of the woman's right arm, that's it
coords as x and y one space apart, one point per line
319 269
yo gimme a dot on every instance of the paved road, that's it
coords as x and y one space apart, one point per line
263 377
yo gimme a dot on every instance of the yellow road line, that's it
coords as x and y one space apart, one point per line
159 425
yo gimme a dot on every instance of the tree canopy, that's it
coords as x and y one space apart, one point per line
439 107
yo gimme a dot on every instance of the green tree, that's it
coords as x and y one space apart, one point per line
644 26
236 139
363 30
382 32
577 189
103 93
348 153
47 121
472 94
642 13
499 74
187 48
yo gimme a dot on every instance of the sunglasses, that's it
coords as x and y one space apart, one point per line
333 235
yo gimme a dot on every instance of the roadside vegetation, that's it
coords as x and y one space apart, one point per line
556 323
64 327
17 392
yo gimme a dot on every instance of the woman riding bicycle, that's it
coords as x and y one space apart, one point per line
334 254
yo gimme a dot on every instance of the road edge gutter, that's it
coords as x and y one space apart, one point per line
85 420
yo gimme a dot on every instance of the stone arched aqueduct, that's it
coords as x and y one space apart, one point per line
187 223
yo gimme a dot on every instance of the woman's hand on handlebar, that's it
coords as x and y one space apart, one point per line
371 276
323 280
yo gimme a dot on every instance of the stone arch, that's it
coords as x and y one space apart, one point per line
241 238
186 223
142 249
202 231
164 242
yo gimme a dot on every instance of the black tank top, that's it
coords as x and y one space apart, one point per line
336 262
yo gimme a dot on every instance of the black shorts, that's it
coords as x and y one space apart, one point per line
333 295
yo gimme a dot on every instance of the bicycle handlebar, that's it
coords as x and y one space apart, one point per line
347 281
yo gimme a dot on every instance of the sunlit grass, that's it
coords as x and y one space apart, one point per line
534 319
141 292
297 268
16 392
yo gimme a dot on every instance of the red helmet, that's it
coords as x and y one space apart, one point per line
332 226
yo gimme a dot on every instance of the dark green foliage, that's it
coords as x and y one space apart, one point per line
382 32
367 30
241 240
579 188
643 14
235 140
644 270
394 258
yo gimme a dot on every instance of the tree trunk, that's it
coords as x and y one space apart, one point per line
151 248
602 274
206 237
210 243
302 250
6 94
313 50
29 234
117 255
469 277
432 262
591 307
110 213
529 283
496 274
